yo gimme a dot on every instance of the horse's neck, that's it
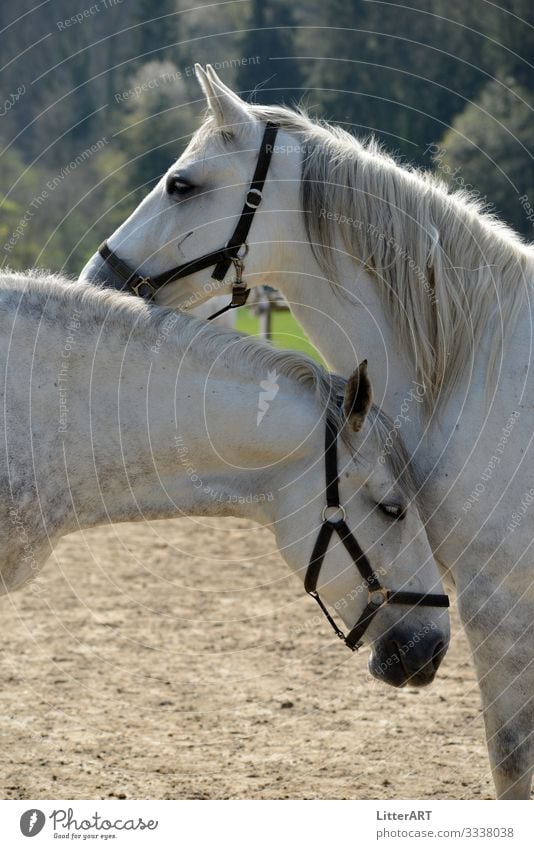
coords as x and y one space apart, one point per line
159 443
348 323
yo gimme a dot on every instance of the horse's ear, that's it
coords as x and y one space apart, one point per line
216 80
358 397
228 109
203 80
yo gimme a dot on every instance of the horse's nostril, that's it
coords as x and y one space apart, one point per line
439 654
393 651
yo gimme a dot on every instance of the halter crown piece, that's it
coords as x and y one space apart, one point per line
233 253
333 521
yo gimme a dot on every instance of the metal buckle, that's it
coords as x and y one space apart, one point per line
145 281
240 294
259 196
239 265
338 508
378 597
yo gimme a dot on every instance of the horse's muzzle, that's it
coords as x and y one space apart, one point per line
398 660
97 271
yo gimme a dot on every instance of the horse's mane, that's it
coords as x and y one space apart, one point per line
445 266
49 297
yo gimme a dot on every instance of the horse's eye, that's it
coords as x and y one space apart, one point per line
393 511
176 185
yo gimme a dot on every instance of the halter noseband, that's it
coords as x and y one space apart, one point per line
146 287
378 595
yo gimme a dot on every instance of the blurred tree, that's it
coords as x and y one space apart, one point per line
269 40
19 246
45 216
402 74
156 124
155 30
508 47
490 148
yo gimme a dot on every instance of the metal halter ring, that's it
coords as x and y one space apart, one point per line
379 596
145 281
337 508
256 195
243 251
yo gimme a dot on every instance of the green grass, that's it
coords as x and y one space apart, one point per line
286 331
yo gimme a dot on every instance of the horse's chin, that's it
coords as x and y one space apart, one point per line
393 675
391 663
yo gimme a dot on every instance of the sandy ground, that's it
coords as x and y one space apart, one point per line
179 659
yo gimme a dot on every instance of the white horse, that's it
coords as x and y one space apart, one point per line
119 411
380 260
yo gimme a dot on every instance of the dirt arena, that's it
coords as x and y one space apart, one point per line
179 659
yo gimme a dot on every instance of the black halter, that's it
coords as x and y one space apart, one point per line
378 595
146 287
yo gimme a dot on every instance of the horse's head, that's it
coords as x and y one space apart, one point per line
408 635
194 208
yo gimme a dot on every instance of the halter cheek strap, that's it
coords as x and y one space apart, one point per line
333 521
232 254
